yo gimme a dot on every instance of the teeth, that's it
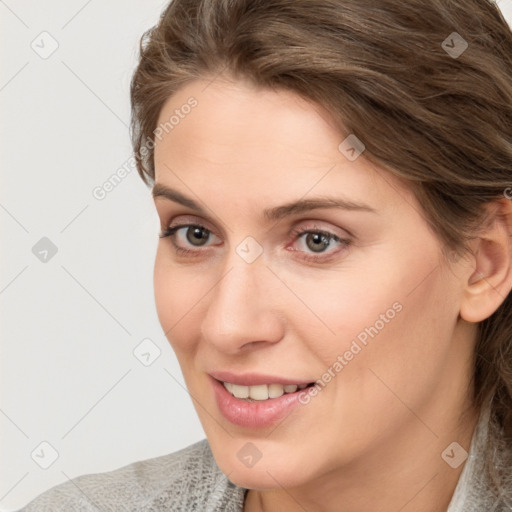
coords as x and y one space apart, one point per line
258 392
240 391
262 391
275 391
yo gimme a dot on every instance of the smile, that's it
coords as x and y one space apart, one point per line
262 391
258 405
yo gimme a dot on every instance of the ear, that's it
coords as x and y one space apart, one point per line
490 274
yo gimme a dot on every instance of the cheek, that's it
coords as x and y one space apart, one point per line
399 361
348 305
396 317
177 293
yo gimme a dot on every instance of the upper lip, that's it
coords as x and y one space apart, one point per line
254 379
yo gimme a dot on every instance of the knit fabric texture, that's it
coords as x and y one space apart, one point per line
190 480
186 480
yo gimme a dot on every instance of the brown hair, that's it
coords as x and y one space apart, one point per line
387 73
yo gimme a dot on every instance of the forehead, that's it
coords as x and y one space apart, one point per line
230 113
259 141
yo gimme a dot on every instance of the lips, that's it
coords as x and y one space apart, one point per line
255 379
250 413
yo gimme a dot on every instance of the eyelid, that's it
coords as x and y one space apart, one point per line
321 225
300 225
324 256
179 220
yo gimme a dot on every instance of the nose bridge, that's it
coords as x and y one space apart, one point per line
233 292
239 310
235 297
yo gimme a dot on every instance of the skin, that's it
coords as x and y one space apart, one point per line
375 433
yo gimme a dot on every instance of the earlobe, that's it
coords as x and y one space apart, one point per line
490 278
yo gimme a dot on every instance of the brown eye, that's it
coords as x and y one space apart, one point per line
317 245
197 235
185 236
317 242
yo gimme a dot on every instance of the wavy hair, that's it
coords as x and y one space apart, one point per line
427 86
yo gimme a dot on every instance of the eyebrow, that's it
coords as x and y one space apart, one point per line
271 214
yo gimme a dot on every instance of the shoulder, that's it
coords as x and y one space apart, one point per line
188 479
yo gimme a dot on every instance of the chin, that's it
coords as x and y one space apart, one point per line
271 471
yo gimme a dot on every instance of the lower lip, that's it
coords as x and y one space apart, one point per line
258 414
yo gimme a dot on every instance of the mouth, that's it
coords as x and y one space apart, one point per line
262 392
259 405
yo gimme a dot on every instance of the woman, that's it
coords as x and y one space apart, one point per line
333 182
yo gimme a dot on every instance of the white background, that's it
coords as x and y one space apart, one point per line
70 325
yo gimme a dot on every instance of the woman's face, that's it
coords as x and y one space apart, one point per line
347 288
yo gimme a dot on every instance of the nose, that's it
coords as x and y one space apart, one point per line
243 308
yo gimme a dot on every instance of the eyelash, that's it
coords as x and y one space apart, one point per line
297 232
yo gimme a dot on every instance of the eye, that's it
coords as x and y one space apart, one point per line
182 235
318 242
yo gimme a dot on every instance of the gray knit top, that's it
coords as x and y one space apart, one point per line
190 480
